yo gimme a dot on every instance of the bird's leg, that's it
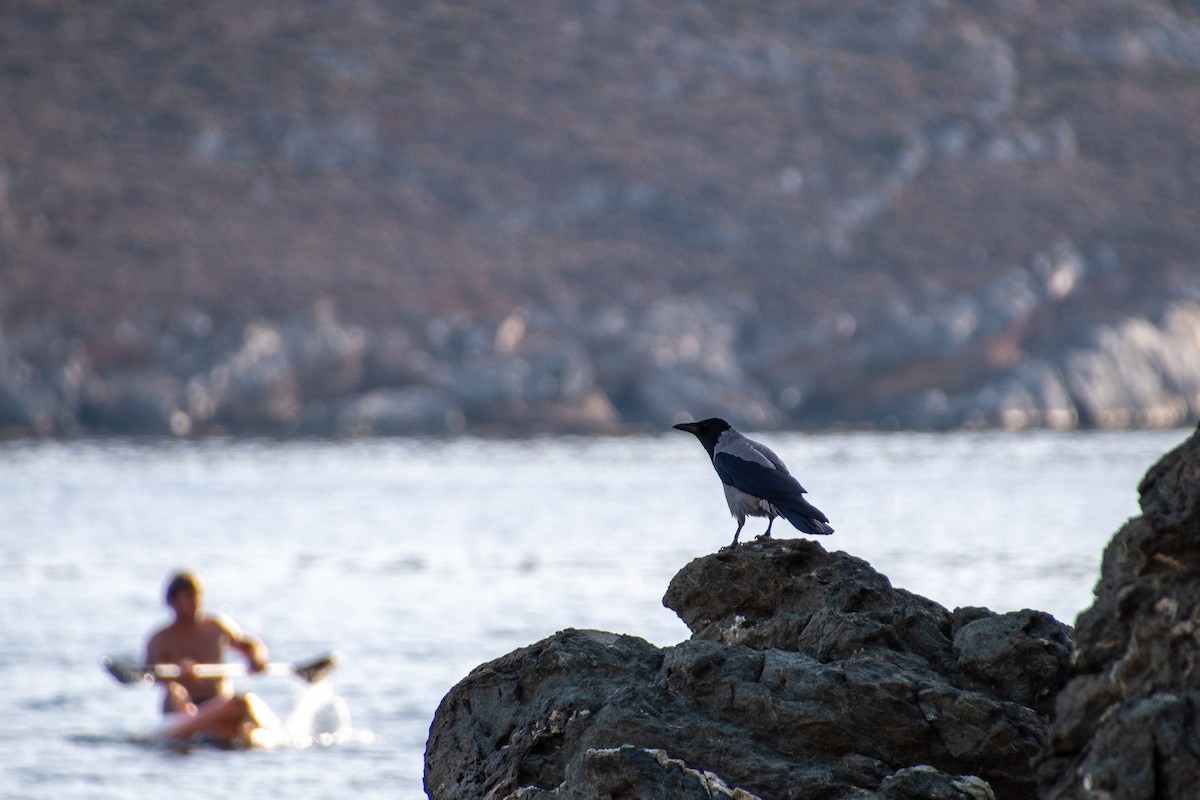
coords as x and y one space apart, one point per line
767 533
741 522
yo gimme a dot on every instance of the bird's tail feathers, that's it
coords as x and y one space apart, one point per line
805 517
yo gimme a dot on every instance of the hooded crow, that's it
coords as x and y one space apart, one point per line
757 484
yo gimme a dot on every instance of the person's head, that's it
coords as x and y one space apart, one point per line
183 595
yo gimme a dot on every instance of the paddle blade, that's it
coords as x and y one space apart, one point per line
319 668
126 671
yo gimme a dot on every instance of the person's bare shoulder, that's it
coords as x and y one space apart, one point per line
225 626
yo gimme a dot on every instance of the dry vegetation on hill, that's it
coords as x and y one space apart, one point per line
910 213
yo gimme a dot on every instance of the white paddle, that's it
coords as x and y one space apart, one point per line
128 672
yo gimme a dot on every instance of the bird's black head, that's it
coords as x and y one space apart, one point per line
706 430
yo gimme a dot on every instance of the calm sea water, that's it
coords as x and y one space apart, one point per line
420 560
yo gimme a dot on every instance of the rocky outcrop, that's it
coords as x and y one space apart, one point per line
807 676
1126 726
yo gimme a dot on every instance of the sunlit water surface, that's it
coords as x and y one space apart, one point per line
422 559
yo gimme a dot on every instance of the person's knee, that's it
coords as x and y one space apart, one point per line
238 705
254 708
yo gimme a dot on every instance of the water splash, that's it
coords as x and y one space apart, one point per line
319 717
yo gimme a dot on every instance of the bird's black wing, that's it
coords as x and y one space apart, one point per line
756 479
776 487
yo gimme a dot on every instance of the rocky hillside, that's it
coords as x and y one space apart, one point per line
361 217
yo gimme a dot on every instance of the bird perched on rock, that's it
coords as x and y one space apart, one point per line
757 484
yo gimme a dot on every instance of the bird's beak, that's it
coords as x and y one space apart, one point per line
690 427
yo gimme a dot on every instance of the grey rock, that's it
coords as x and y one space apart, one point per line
393 359
679 359
1021 654
147 403
807 676
26 404
390 412
488 384
255 387
326 357
647 774
1125 725
926 783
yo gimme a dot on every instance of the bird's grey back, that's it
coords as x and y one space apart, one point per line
735 444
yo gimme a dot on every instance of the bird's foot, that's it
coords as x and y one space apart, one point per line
763 537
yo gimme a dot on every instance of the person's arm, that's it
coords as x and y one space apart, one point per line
154 650
251 647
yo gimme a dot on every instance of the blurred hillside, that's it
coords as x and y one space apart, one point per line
324 216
